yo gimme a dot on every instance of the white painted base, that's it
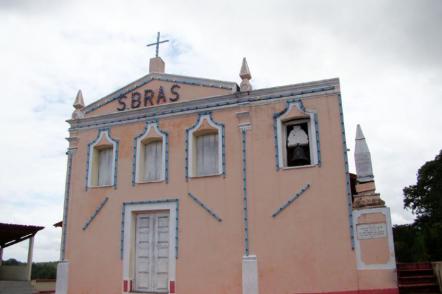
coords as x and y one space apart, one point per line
391 264
250 275
61 286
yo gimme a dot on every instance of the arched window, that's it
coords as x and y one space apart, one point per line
102 157
205 143
150 162
297 136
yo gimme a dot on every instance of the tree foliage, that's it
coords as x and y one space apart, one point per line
40 270
425 198
44 270
422 240
409 243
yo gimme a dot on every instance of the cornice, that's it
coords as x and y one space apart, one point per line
306 90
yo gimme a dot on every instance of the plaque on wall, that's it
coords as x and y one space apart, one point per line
371 231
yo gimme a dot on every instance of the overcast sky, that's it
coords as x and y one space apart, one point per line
387 54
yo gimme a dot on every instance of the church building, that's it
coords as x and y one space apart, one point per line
187 185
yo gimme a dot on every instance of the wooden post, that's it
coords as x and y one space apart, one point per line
30 250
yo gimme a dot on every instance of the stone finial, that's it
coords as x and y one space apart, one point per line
79 106
245 76
364 169
79 102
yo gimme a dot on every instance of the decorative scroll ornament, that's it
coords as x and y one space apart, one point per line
94 215
291 200
205 207
79 106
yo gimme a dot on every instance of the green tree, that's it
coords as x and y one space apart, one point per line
409 243
425 200
44 270
12 261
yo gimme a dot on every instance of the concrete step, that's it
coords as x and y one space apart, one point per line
417 279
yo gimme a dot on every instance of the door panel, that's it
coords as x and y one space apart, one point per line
152 252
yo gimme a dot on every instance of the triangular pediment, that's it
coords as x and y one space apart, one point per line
157 89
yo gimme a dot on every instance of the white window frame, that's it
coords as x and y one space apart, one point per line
130 212
92 181
192 134
139 160
281 136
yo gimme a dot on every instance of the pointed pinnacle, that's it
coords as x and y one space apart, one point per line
245 72
364 166
79 102
359 133
361 144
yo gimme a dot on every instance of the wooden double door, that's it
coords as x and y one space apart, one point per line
152 252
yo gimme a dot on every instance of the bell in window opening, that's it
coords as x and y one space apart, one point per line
298 148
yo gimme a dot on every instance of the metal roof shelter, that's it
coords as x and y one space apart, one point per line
11 234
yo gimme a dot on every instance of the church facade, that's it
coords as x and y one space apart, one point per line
187 185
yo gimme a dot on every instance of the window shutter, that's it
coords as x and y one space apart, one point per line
153 161
105 166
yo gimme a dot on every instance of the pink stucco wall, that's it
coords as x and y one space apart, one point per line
305 249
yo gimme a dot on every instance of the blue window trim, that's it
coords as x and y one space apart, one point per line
297 101
89 154
193 128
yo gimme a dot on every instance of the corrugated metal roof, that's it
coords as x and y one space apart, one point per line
11 234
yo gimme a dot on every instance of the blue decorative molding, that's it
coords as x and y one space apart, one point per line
151 123
244 178
195 106
177 218
159 77
189 132
347 175
297 101
291 200
123 213
275 138
168 200
205 207
318 143
90 146
69 153
186 155
223 143
94 215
